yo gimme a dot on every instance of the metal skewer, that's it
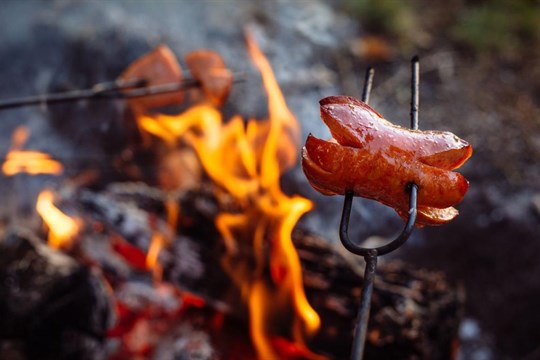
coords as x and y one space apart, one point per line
371 255
119 89
98 91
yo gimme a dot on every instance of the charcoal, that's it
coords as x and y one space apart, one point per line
98 249
196 267
191 262
138 295
51 305
123 217
145 196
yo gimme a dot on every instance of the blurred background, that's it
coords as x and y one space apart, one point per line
480 78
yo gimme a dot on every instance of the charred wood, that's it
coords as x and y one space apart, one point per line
415 313
50 306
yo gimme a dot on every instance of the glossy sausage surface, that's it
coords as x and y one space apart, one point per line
377 160
354 123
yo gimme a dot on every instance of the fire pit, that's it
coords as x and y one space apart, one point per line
176 240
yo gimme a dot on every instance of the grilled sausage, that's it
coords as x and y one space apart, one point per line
377 160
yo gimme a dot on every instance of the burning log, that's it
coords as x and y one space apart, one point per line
125 211
415 313
117 240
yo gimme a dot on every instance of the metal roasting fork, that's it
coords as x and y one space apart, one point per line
371 255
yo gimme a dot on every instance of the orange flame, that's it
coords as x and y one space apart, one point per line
159 240
156 244
246 161
31 162
62 228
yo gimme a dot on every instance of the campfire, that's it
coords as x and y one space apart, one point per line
197 256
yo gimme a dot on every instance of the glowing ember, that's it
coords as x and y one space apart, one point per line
31 162
62 228
246 162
